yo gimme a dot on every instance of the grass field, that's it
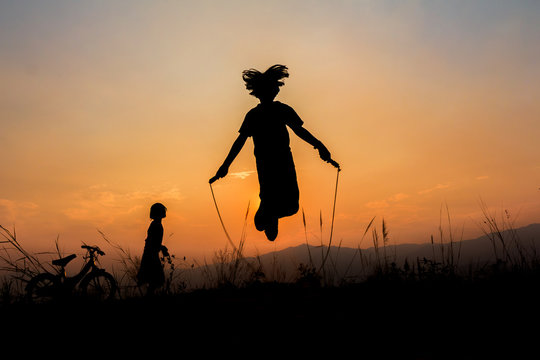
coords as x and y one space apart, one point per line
422 309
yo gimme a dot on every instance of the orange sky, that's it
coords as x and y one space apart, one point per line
108 107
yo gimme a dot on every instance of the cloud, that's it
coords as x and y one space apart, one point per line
242 174
98 203
436 187
398 197
387 202
377 204
14 210
484 177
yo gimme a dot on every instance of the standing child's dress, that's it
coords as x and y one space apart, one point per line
151 270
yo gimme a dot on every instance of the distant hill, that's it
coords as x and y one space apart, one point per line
342 262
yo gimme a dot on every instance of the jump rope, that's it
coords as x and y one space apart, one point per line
333 163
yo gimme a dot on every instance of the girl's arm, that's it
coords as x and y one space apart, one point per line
235 149
313 141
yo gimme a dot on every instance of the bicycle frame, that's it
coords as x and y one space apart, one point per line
91 279
90 266
72 281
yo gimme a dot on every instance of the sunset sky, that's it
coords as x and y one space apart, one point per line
109 106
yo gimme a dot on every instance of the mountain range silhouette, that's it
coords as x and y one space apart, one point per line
354 262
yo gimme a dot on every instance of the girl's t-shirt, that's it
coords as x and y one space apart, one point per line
267 125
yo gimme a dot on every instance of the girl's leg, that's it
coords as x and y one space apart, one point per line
260 218
266 221
271 230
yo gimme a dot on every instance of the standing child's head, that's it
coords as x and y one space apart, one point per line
158 211
265 86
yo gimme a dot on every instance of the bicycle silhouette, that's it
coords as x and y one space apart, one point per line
93 282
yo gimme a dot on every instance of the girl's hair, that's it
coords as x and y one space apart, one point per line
257 81
157 211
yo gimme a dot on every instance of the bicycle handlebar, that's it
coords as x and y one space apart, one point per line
93 249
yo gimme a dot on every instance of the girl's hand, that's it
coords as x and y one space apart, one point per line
324 153
222 172
164 250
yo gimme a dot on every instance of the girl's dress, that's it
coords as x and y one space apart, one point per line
151 270
267 124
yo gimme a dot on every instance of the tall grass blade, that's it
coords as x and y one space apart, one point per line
305 233
333 217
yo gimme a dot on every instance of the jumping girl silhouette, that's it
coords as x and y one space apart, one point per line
267 125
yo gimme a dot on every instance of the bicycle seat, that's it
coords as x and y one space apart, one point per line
64 261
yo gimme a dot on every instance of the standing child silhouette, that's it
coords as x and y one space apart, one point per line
267 125
151 270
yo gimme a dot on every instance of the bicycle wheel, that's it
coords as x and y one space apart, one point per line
42 288
99 286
